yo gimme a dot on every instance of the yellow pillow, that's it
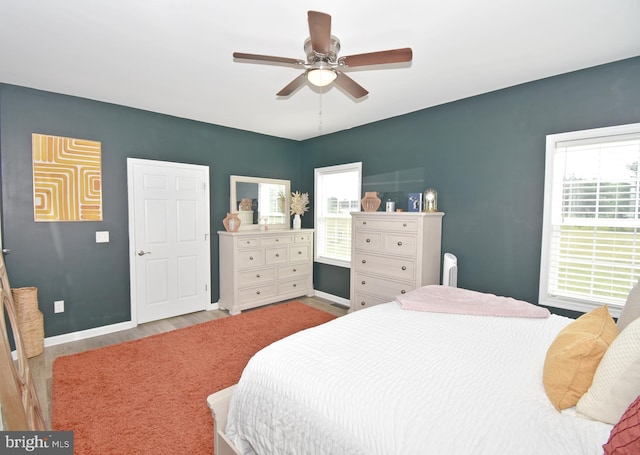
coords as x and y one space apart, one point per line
574 355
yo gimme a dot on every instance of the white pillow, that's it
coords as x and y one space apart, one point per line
616 382
631 310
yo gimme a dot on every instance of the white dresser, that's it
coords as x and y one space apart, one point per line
393 253
261 267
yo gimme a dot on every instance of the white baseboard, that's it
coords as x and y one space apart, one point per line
333 298
83 334
89 333
112 328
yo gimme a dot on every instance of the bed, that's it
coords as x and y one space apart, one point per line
394 380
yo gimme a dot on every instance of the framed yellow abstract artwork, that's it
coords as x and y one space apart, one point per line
67 179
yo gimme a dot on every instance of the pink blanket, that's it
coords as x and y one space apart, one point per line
445 299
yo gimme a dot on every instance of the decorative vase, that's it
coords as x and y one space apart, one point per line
231 222
370 202
297 221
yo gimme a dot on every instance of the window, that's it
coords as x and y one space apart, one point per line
337 193
591 226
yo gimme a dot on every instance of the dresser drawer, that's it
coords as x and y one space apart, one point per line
404 269
247 243
247 295
399 244
277 240
250 258
370 241
381 287
291 286
388 224
303 238
277 255
361 301
300 252
292 271
256 277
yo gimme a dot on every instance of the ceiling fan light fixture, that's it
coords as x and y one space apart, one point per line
322 76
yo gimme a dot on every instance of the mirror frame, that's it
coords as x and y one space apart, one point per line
234 179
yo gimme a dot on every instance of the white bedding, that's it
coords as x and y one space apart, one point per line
390 381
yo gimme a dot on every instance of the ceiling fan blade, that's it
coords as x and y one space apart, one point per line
378 58
320 32
268 58
292 86
350 86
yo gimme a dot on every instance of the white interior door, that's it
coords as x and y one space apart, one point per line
168 239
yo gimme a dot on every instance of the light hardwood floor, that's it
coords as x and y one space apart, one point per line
41 366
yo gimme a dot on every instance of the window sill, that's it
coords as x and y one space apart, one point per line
581 306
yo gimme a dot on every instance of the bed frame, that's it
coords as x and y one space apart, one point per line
219 404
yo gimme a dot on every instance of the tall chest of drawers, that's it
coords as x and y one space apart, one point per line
261 267
393 253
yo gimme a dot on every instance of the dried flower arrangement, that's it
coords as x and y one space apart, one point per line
299 203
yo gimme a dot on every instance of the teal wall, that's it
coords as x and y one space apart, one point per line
484 155
62 259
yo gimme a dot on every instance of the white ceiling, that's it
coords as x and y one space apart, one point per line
175 56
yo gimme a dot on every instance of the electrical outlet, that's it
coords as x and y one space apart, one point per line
58 306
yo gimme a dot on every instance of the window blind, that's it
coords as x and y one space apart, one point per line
595 238
337 194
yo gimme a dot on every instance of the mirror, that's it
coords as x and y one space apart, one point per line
260 201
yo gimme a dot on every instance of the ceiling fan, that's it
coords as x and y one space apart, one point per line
323 66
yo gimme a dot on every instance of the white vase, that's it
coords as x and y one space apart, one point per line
297 221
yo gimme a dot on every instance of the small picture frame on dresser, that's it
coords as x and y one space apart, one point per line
415 202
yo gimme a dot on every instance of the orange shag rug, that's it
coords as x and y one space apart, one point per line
148 396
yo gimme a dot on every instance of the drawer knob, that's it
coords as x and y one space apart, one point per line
277 255
295 270
257 292
364 222
363 303
368 240
251 258
299 252
399 243
364 282
257 275
404 224
294 285
364 261
403 292
404 267
277 240
248 242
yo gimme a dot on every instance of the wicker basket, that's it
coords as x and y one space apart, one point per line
30 320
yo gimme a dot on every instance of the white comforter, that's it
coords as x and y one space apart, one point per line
390 381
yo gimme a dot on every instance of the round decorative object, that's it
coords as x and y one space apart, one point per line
297 221
370 202
231 222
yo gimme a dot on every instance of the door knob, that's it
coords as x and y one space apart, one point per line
142 253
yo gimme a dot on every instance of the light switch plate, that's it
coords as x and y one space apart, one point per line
102 237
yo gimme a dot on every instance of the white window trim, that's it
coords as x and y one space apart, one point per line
325 170
552 140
